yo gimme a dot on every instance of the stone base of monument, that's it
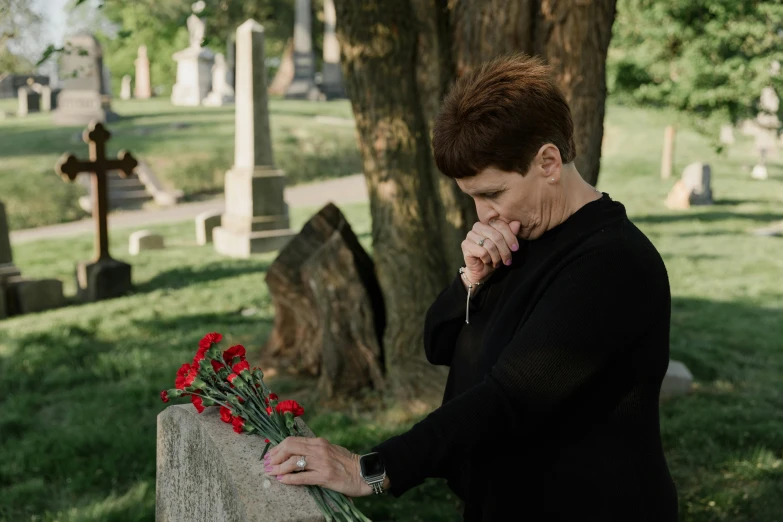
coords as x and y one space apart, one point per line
205 471
81 108
28 296
243 244
104 279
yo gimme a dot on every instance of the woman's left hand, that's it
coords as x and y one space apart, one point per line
328 465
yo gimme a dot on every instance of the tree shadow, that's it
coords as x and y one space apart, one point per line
198 322
706 217
184 276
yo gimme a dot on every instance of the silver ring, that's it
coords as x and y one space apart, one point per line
481 241
301 463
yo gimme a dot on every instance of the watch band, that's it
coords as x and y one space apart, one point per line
377 486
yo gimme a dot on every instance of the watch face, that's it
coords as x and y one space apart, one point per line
371 465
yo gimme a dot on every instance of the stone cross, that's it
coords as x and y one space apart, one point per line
69 167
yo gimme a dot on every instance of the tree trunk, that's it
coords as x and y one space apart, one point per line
399 59
285 72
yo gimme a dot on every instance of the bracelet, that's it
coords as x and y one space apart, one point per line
470 288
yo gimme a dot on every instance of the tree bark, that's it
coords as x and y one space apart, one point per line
400 58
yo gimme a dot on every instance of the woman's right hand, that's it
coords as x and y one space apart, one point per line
500 239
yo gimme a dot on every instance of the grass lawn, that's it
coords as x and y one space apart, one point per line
188 148
79 386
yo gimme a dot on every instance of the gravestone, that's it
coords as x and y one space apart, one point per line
142 88
83 97
727 134
667 159
194 68
19 295
303 85
332 85
222 92
28 101
256 218
192 446
125 89
48 97
694 188
143 240
103 277
677 381
766 137
206 222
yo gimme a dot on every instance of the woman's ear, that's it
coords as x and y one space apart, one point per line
550 162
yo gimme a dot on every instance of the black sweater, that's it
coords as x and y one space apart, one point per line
551 406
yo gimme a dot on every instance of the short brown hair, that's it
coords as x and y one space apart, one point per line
499 115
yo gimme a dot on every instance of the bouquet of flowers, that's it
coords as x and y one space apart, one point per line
224 379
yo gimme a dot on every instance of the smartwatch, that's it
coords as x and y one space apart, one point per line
373 471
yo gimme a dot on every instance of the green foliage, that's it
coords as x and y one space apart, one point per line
78 386
18 22
710 58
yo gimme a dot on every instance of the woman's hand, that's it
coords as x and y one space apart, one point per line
500 239
328 465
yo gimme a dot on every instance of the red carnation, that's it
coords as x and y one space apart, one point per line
238 423
235 351
164 396
241 367
182 373
225 415
199 356
269 410
271 397
217 366
231 377
266 440
197 402
209 340
192 374
290 407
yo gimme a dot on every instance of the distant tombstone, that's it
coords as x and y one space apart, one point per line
143 240
206 222
677 381
194 68
766 137
303 85
28 101
48 97
222 92
694 188
83 98
727 135
332 85
256 218
142 90
125 89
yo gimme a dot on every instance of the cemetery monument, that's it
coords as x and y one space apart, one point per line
142 88
222 93
256 217
84 97
194 68
332 85
303 85
103 277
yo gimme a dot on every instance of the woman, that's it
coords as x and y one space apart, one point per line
556 332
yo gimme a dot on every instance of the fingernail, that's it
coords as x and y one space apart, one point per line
267 468
514 247
508 262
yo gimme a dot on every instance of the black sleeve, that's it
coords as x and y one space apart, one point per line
444 321
592 310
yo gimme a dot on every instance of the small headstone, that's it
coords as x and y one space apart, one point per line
192 446
84 97
125 89
677 381
206 222
144 240
693 189
727 135
28 101
142 90
27 296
